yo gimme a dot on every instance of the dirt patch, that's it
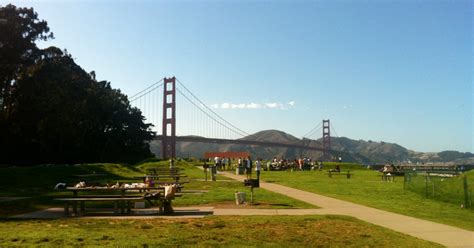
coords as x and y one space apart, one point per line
257 205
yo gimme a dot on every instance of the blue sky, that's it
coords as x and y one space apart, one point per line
393 71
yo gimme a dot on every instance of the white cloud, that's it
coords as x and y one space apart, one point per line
225 105
254 105
273 105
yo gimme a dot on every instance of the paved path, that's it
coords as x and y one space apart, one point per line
148 213
180 212
423 229
8 198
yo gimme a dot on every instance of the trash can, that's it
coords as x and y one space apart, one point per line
213 173
254 183
239 198
239 170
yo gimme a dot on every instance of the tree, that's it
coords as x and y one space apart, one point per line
52 111
61 114
20 28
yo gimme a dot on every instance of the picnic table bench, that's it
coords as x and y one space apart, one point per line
388 177
163 170
122 201
332 173
164 176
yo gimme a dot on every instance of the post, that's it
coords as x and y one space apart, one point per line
405 181
213 172
426 186
466 193
251 194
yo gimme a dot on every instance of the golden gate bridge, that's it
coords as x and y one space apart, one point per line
206 125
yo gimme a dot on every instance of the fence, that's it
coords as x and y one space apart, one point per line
456 190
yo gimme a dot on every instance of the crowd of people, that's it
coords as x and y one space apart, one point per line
248 165
296 164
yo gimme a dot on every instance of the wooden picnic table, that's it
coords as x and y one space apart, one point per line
118 195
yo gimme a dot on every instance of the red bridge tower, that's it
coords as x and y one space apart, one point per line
168 143
326 140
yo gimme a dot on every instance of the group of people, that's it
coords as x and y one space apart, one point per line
246 163
221 163
296 164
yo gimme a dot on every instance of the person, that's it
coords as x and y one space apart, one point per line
258 167
216 161
223 163
337 169
248 168
387 169
205 166
171 163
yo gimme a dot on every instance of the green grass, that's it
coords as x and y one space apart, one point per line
449 190
38 183
228 231
366 188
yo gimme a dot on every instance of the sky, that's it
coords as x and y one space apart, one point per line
393 71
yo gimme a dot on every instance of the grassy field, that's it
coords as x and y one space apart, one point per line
214 231
231 231
38 182
366 188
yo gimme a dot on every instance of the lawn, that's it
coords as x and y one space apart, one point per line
213 231
366 188
38 182
223 231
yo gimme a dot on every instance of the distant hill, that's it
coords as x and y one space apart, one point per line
350 150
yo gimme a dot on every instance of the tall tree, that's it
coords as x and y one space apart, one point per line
20 28
54 111
62 114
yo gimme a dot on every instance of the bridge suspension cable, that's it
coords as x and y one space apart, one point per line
209 115
313 131
146 91
235 129
333 129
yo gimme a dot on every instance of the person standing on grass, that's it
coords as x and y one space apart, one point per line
223 163
258 167
248 168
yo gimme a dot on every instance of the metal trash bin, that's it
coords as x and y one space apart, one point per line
254 183
239 198
239 170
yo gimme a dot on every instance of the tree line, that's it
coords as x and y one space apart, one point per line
52 111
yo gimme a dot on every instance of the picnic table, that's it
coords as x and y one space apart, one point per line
122 197
171 179
332 173
163 176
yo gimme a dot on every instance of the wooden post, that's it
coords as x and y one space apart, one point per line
251 195
426 186
466 193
